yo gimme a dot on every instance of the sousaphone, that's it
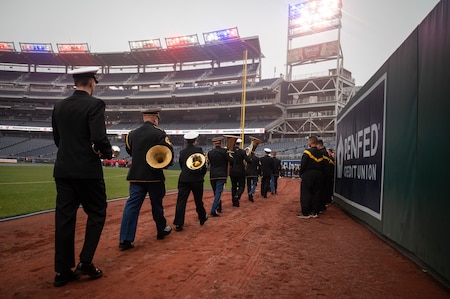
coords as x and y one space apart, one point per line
253 145
159 156
231 142
195 161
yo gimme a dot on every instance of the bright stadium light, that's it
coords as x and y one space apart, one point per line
314 16
7 47
221 35
139 45
36 48
73 48
182 41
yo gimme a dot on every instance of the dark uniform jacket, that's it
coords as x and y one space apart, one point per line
277 166
267 166
188 175
237 165
138 142
252 166
218 160
312 159
78 123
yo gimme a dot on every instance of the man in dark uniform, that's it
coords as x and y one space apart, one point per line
324 183
79 133
237 172
252 173
191 179
311 172
267 169
276 173
218 159
145 179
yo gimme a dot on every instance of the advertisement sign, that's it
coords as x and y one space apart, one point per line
313 52
360 137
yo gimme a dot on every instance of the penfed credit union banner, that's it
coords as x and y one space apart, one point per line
360 135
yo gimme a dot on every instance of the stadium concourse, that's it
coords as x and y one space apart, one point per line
259 250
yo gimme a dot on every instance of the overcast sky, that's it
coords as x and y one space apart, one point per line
371 29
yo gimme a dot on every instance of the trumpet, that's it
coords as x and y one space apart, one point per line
195 161
159 156
253 144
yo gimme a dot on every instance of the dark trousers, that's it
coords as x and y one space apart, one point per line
91 194
184 189
265 185
237 187
310 192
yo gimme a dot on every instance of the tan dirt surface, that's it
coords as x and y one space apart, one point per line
259 250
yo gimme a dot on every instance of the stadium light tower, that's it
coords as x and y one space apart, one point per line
313 42
310 17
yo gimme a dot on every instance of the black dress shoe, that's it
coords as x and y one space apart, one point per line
124 245
204 220
88 269
65 277
167 230
179 228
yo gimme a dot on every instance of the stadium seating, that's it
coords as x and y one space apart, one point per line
199 88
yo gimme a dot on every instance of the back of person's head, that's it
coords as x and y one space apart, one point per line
312 141
81 81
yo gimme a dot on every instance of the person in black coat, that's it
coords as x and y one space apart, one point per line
252 174
267 168
237 173
218 159
191 179
79 133
326 179
311 173
145 178
276 173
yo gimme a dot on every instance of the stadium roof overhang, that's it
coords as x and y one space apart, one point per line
223 51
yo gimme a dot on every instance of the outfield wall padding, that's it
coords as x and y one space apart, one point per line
415 195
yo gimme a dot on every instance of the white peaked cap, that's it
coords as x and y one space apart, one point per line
190 135
84 70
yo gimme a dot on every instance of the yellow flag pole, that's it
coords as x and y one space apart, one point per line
244 87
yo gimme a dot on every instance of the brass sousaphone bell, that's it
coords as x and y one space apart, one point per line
195 161
231 142
253 144
159 156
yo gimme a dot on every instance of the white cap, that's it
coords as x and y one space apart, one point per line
267 150
239 140
84 70
190 135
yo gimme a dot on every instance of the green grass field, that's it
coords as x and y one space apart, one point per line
28 188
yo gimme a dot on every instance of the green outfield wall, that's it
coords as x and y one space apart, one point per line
392 165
